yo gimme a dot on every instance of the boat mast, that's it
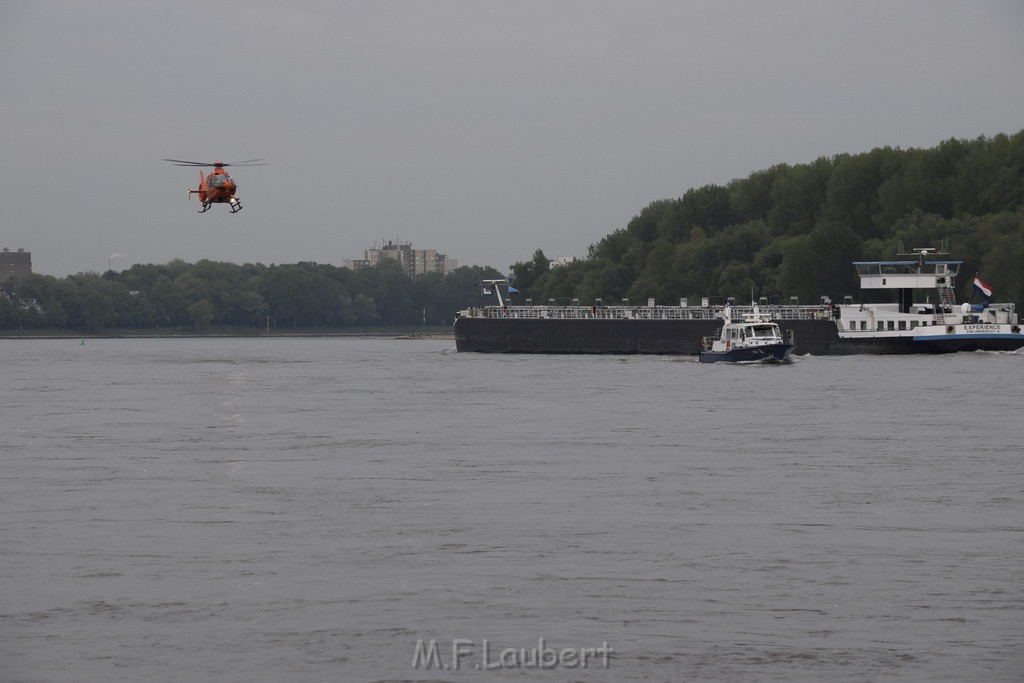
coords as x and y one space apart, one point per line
497 289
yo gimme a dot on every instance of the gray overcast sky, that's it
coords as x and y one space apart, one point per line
484 129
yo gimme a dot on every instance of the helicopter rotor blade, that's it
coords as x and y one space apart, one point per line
179 162
248 162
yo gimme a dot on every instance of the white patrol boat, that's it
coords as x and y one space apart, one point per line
752 340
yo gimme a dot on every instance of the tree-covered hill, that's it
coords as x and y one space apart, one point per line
793 230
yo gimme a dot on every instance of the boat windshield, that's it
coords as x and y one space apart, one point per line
762 331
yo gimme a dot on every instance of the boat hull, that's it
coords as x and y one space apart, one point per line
765 353
581 336
683 337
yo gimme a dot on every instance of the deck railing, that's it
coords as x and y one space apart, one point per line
647 312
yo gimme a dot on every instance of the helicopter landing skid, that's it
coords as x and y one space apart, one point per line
235 206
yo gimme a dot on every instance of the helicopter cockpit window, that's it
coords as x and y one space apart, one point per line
216 180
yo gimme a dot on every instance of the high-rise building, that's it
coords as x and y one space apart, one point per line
414 261
14 263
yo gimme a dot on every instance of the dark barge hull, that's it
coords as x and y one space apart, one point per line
673 337
533 335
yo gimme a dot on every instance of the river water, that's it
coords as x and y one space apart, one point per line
337 509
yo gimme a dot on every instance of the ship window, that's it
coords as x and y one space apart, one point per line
864 325
891 326
913 324
881 326
903 324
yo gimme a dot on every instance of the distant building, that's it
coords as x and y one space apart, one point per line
26 304
414 261
14 263
563 260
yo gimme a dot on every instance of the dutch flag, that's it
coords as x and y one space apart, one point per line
981 288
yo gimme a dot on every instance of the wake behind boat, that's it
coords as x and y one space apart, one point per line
752 340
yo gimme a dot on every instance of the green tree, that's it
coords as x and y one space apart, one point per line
201 313
364 310
605 280
525 273
301 295
751 198
797 196
240 306
9 317
736 280
709 207
95 309
852 197
818 264
397 303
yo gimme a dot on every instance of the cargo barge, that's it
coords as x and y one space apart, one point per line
903 327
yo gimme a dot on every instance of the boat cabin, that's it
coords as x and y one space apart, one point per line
768 332
906 274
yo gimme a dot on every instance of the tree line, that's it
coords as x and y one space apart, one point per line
793 230
209 294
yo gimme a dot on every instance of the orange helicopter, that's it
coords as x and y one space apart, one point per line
218 187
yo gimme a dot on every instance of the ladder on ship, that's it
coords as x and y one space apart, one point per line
947 301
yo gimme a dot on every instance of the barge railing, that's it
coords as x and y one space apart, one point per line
648 312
